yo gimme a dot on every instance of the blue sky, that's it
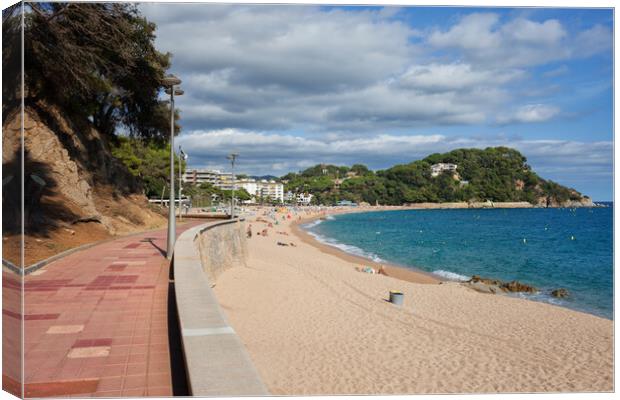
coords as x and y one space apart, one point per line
291 86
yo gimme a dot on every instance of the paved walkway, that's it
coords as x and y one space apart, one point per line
96 321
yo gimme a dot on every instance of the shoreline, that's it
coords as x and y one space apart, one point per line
405 273
313 325
409 274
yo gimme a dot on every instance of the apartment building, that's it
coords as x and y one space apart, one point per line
263 188
221 180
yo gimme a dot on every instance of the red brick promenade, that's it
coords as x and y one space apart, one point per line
96 321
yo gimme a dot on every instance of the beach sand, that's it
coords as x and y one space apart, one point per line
313 324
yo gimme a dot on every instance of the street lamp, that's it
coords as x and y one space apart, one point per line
169 82
232 157
182 157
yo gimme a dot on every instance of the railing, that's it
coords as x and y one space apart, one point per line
216 361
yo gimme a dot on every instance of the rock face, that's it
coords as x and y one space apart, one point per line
487 285
560 293
70 176
550 202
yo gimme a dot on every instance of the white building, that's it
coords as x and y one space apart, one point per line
198 176
266 189
249 185
289 196
437 169
221 180
304 198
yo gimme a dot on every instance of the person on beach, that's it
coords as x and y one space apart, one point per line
249 231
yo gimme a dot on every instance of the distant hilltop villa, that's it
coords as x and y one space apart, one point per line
437 169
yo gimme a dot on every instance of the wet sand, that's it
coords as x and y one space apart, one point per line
390 270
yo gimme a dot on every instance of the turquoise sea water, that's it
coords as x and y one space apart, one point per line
547 248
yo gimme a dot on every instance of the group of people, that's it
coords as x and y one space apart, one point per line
370 270
261 233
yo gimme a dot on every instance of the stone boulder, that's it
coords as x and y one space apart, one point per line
487 285
516 286
560 293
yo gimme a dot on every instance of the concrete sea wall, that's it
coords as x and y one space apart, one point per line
222 247
216 361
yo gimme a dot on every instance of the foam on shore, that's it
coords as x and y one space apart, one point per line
347 248
453 276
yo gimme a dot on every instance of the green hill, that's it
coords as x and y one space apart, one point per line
498 174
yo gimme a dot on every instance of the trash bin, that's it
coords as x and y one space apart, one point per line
396 297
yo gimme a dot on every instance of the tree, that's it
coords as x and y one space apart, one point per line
148 160
360 170
11 59
98 61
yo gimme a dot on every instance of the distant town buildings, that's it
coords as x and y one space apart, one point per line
220 180
304 199
263 189
347 203
437 169
223 180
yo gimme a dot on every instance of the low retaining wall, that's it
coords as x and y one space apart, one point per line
221 246
216 360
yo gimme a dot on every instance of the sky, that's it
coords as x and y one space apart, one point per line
288 87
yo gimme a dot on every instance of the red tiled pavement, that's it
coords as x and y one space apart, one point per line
96 321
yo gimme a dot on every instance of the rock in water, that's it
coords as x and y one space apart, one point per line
515 286
560 293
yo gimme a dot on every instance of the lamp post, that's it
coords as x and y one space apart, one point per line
182 157
232 157
169 82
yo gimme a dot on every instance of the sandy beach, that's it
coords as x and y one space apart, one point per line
313 324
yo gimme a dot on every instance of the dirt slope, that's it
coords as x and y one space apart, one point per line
75 191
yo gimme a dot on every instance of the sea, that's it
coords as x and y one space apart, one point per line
548 248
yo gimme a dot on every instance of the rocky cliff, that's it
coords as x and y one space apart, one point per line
580 201
72 184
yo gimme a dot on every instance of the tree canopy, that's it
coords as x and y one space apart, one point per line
149 161
494 173
97 60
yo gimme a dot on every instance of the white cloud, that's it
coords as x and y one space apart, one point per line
473 32
455 76
483 39
597 39
561 70
531 113
522 30
299 48
277 68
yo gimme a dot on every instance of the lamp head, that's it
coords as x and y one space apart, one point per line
177 92
170 80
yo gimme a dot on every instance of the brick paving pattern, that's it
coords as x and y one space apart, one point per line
96 321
